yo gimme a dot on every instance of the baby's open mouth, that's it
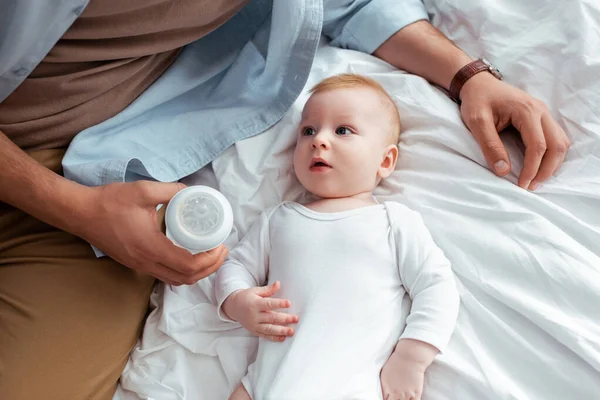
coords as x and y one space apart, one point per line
318 162
319 165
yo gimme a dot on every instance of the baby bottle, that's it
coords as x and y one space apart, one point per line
198 218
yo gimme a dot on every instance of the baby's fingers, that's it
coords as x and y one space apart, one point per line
277 318
408 396
272 338
390 394
272 303
275 330
268 291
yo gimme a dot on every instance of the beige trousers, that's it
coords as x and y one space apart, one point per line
67 319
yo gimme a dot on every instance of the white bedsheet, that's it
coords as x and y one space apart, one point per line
527 264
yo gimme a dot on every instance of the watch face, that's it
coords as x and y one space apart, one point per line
494 71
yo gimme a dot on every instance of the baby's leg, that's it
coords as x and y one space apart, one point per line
240 393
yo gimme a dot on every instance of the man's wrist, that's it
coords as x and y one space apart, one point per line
73 205
476 83
479 70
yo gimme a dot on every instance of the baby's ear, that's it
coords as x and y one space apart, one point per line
390 157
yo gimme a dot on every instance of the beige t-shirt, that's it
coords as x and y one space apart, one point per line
113 52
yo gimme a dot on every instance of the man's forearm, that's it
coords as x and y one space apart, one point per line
29 186
421 49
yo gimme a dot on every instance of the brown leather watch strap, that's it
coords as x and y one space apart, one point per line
463 75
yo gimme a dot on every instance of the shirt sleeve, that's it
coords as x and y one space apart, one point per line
28 31
428 278
247 264
364 25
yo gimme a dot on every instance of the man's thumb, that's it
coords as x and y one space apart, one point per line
481 125
161 193
496 155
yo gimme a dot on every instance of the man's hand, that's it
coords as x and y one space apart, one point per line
121 220
254 310
489 106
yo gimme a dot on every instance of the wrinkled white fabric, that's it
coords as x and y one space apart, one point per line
527 264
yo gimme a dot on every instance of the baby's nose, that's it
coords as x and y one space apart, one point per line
319 140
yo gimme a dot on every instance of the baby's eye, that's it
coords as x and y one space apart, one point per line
308 131
342 130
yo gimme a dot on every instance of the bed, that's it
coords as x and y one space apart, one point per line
527 264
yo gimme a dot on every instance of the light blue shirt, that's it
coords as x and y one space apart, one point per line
232 84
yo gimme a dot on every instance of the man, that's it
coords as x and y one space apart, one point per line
68 319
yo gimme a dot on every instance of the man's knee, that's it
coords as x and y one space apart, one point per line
64 352
67 335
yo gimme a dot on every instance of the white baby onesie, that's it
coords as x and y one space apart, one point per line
346 275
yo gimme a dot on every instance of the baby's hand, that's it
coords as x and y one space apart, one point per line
254 309
403 374
402 379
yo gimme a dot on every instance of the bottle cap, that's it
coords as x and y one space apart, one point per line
198 218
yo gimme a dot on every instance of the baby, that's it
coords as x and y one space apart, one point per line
341 266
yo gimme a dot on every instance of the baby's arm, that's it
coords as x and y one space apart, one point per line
427 276
428 279
247 264
238 290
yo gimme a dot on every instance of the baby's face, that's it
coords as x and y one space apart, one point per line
343 143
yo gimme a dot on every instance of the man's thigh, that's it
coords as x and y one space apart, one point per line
67 320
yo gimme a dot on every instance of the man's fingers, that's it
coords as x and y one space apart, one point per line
176 278
179 264
166 280
154 193
181 260
278 318
210 270
202 271
535 149
557 144
482 126
170 255
208 258
166 274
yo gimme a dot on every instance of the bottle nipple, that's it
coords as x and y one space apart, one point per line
198 218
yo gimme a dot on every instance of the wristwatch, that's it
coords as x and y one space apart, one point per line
468 71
